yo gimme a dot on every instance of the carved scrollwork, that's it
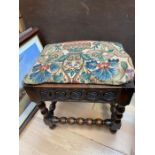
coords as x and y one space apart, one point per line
76 94
109 96
44 94
92 95
60 94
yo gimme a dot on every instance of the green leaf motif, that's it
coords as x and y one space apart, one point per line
72 73
57 77
77 70
35 68
67 71
77 49
86 56
124 65
110 51
62 58
126 77
85 76
100 56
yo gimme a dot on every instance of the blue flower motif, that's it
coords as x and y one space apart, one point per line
104 74
40 73
54 67
113 62
91 64
40 76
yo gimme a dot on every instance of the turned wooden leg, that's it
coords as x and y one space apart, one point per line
52 108
51 114
113 109
119 108
47 114
44 111
116 117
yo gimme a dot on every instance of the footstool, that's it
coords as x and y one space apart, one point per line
82 71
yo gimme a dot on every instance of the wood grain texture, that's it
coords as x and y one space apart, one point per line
72 85
38 139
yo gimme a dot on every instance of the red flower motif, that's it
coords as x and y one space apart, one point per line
44 67
103 65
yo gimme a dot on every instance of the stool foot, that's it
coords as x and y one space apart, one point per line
113 131
52 126
48 121
47 114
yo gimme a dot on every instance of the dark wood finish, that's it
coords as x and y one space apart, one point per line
43 109
52 120
50 85
52 123
52 108
113 109
117 96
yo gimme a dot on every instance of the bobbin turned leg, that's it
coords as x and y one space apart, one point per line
116 117
47 114
52 107
44 111
113 109
119 108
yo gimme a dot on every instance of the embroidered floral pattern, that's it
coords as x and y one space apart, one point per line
95 62
105 71
40 73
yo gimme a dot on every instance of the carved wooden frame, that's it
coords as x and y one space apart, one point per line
117 96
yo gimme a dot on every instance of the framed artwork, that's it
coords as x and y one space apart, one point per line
29 51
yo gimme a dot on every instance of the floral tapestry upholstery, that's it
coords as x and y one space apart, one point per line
88 62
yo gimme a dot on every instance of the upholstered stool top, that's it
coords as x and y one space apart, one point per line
88 62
